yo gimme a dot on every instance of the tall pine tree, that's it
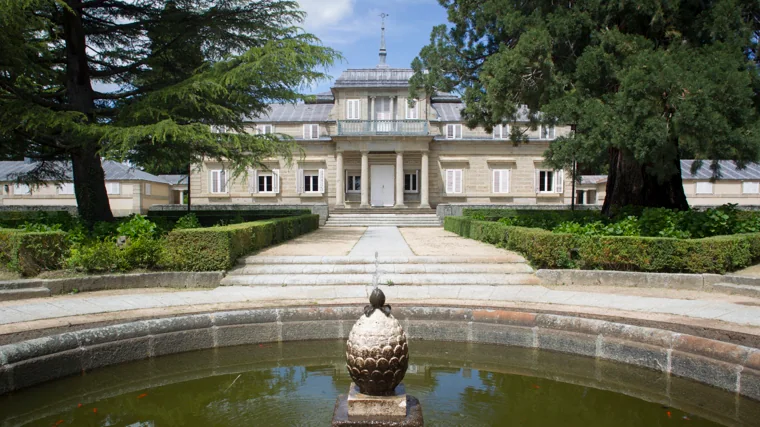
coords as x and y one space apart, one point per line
641 82
187 73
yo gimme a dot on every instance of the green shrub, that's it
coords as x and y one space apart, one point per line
218 248
533 218
29 253
136 226
16 219
97 256
188 221
209 218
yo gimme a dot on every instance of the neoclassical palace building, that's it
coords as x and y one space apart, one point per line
367 146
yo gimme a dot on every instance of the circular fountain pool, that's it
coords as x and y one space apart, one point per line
297 383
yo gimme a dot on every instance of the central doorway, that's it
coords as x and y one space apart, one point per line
381 177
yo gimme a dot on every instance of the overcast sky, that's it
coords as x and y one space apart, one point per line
353 28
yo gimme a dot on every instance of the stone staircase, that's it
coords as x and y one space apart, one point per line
351 270
383 217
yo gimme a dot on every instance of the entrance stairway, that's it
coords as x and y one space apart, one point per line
352 270
381 217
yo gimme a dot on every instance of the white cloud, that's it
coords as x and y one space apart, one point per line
324 13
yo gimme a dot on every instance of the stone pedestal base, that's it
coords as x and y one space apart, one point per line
357 409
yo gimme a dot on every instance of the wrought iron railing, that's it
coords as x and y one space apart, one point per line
382 127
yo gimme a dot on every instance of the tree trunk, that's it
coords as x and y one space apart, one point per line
90 187
628 184
89 177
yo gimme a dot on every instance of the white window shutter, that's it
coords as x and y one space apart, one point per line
495 135
211 182
458 181
496 181
306 131
559 181
459 131
223 181
299 181
276 181
449 181
321 188
253 183
504 184
537 181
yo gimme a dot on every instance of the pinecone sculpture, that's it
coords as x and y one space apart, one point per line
377 355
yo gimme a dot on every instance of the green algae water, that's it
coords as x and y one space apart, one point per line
296 384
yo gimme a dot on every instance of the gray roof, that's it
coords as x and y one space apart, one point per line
593 179
728 170
295 113
452 112
114 171
174 179
375 77
324 98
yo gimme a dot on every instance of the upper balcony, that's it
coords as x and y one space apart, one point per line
382 127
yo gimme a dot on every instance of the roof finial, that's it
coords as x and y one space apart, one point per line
383 52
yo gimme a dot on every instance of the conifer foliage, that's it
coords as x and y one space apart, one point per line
156 82
643 83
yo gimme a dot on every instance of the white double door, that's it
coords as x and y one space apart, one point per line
381 185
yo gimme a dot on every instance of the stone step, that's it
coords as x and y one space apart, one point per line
270 260
364 224
387 279
374 211
23 293
380 268
388 215
734 289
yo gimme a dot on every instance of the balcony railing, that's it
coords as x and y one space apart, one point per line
382 127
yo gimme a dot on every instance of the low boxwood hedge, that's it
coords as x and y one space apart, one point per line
210 218
15 219
217 248
29 253
534 218
544 249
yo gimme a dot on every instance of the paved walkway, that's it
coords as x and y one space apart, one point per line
717 309
383 241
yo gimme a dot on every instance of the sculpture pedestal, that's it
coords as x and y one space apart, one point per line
397 410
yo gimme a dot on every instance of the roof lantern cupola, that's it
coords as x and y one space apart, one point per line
383 52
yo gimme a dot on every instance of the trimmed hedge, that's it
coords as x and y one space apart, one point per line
30 253
535 218
15 219
544 249
210 218
218 248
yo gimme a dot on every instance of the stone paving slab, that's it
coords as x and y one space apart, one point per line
324 241
381 241
51 308
439 242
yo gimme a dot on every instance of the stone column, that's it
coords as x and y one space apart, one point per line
424 181
340 187
365 180
400 179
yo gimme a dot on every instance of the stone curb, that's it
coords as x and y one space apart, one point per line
730 367
167 279
729 283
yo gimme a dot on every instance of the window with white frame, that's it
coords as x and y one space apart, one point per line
549 181
264 181
218 181
22 190
750 187
311 131
548 132
66 188
453 131
353 182
501 132
704 187
500 181
411 182
264 129
113 188
353 107
148 189
310 181
411 111
454 181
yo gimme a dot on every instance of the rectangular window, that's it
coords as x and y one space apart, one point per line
750 187
148 189
310 182
501 132
264 129
113 188
590 197
453 181
66 188
218 181
353 109
704 187
411 182
353 183
547 132
579 197
266 184
22 190
453 131
546 182
311 131
411 111
501 180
